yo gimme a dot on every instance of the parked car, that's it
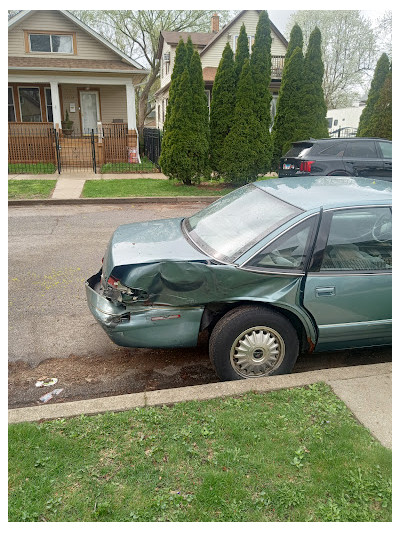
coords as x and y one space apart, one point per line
361 157
271 270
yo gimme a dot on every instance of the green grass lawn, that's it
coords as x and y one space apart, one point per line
27 189
148 187
286 456
31 168
145 166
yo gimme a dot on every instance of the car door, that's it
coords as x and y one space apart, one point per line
348 285
385 147
361 159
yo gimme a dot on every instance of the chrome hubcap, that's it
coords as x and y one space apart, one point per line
257 351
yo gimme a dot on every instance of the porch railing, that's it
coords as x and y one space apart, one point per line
277 63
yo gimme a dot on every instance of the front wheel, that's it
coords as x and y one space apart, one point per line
251 342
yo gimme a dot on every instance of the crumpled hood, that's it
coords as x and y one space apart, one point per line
149 242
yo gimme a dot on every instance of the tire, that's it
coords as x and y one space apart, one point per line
252 341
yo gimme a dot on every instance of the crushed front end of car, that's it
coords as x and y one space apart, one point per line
138 323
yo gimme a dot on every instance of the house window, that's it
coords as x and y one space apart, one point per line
163 111
236 37
51 43
11 106
335 122
329 121
49 106
166 67
29 101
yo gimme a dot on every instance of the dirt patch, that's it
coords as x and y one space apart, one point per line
128 371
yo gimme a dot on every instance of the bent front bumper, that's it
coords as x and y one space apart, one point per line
142 326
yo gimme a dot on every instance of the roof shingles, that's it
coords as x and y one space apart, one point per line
62 62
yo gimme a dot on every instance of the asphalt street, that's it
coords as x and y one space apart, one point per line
52 251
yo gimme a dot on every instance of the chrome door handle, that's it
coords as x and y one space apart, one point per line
325 291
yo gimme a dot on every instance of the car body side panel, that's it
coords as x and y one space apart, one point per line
352 310
183 284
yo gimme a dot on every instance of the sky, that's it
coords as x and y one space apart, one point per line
281 18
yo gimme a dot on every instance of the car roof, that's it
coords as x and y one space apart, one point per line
340 139
310 193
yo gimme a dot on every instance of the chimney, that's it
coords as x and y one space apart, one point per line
215 23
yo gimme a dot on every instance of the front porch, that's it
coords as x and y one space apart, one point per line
73 121
41 145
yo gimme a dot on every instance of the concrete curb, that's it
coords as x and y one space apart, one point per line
100 201
198 392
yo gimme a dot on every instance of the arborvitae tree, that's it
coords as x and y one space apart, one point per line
200 117
260 64
222 106
176 158
185 144
239 161
179 66
380 75
189 50
381 120
242 51
289 116
313 112
295 40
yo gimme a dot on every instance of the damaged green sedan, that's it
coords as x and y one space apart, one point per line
272 270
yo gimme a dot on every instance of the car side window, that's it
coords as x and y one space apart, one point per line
365 149
359 239
336 149
288 252
386 149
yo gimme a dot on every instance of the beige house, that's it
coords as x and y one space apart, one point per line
210 47
57 64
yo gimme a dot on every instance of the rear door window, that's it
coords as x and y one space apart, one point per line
359 239
336 149
364 149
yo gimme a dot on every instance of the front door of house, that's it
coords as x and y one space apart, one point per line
90 111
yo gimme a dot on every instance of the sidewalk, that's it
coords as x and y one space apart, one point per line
366 390
70 184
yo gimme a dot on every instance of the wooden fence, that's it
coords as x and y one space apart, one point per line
31 143
115 143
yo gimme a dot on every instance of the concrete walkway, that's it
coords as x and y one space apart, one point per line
70 184
366 390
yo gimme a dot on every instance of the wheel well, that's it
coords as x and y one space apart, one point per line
213 313
339 173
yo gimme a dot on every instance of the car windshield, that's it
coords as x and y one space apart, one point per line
230 226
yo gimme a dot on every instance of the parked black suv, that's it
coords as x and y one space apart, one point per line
358 156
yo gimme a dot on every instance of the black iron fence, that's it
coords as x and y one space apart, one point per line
152 144
344 133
